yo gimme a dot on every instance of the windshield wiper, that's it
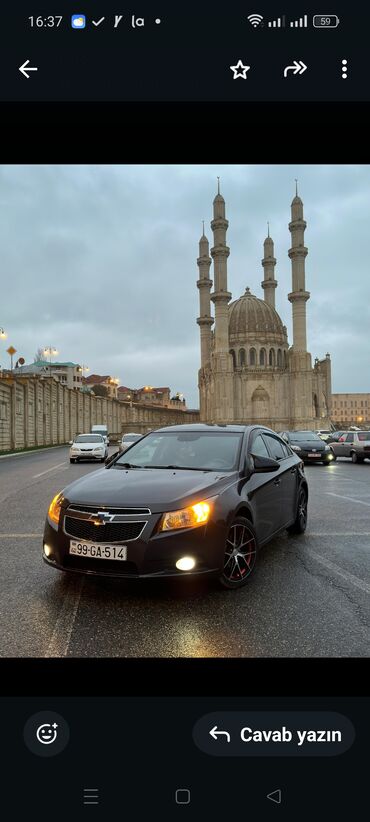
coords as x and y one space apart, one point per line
178 467
127 465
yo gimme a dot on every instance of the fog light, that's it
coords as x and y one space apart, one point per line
185 564
47 550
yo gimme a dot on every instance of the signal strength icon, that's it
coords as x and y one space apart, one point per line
277 24
255 20
301 23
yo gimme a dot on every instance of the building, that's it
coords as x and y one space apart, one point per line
68 373
351 409
249 373
152 396
108 382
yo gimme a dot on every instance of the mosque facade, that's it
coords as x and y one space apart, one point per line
249 373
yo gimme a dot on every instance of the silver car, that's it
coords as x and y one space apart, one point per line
353 444
88 447
127 440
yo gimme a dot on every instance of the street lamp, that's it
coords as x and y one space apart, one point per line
82 369
3 334
50 352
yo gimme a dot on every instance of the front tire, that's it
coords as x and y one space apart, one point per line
300 523
354 457
240 556
72 460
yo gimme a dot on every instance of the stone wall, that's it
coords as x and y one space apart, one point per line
41 411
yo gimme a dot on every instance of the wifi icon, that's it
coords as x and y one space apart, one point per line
255 20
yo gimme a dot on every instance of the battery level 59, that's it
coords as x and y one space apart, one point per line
325 21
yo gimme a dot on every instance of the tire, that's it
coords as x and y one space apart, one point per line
72 460
300 523
354 457
238 567
334 456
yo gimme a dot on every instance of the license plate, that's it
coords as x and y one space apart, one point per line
91 549
318 456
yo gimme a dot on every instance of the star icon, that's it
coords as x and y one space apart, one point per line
240 70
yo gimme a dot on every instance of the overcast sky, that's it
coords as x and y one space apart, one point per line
100 262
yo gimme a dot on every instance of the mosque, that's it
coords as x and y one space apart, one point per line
248 372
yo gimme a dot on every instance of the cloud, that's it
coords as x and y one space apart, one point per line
100 262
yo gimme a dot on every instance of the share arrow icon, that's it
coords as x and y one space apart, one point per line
26 67
298 68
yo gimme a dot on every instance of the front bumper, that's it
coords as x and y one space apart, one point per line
151 555
87 455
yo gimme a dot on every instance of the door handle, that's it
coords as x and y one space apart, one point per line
277 482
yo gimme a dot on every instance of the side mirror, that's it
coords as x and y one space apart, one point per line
263 465
285 438
71 442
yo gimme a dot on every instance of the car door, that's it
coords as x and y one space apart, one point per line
347 445
286 479
263 493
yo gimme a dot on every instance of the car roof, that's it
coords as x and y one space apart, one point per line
212 427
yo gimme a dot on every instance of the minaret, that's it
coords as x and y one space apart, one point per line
204 284
269 262
220 252
298 296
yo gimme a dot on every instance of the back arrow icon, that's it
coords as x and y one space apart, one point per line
25 68
215 733
298 68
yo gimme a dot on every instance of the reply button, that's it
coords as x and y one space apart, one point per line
274 733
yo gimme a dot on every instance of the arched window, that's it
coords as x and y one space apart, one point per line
262 356
279 358
234 358
271 357
252 356
242 356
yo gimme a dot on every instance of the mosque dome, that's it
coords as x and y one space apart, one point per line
251 318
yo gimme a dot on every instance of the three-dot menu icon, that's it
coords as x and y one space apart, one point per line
344 69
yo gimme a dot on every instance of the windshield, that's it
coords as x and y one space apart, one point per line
208 451
364 435
304 436
89 438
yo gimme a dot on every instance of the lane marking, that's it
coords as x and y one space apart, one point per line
61 636
336 533
60 464
331 566
351 499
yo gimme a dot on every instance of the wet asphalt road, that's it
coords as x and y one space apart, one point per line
310 595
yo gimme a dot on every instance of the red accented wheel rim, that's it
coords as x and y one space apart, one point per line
240 554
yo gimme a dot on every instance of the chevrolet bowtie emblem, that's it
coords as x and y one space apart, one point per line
103 517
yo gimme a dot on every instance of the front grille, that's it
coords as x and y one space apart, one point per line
94 509
111 532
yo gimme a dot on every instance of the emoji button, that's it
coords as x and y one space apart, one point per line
46 733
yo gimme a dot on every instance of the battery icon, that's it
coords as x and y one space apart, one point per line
325 21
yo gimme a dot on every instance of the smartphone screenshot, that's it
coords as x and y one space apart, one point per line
184 411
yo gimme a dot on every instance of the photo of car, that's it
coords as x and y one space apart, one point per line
192 500
88 447
127 440
355 445
309 446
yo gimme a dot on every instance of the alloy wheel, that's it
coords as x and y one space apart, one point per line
302 509
240 553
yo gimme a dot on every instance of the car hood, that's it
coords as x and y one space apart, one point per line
158 489
307 445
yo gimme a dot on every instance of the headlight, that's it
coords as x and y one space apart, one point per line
327 448
190 517
295 448
55 508
99 449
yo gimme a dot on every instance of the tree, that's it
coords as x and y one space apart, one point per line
40 355
100 390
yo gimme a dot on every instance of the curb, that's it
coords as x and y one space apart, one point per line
34 451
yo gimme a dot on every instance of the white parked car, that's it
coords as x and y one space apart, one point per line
127 440
88 447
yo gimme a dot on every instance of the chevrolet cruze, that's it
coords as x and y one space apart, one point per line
184 500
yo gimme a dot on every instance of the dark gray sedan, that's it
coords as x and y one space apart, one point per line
183 500
309 446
